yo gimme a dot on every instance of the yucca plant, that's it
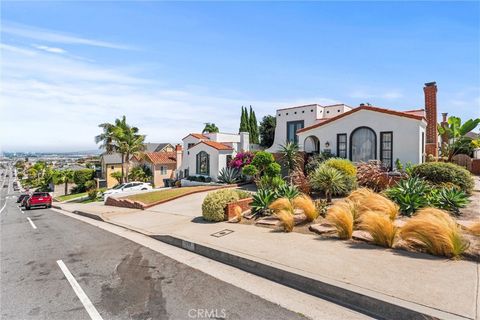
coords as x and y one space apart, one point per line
436 231
449 199
306 204
229 175
381 228
287 191
342 219
329 180
261 200
287 220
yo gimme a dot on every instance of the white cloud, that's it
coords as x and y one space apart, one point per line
55 102
50 49
29 32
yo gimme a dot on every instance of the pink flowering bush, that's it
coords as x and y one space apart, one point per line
241 159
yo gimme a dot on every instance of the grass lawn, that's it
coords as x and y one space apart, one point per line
162 195
70 196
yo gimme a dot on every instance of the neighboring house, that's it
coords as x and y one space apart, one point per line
207 154
159 147
109 163
164 165
363 133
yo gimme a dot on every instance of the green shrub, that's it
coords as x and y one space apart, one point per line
261 200
287 191
263 163
214 204
80 178
449 199
329 180
272 183
92 194
343 165
410 194
442 172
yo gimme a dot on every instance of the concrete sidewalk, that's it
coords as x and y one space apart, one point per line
392 284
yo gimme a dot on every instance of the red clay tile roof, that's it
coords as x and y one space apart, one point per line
197 135
410 115
161 157
215 145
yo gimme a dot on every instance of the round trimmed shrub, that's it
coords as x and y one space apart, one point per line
443 172
214 204
344 165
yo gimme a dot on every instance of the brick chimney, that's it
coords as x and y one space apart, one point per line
444 137
431 145
179 155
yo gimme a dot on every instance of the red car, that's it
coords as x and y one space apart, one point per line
39 199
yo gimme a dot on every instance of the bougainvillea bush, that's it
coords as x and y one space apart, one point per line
241 159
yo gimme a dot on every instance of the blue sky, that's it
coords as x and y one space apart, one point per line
170 67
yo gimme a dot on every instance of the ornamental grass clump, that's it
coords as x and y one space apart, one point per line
360 194
306 204
286 219
475 228
436 231
282 204
378 203
340 215
381 228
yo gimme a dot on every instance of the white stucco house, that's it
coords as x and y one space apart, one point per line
207 154
363 133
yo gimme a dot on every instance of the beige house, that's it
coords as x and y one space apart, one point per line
110 163
164 165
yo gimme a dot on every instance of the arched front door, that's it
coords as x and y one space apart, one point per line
311 145
363 145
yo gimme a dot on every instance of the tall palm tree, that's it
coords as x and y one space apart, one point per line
64 176
210 128
129 143
290 156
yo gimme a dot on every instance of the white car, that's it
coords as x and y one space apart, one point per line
127 187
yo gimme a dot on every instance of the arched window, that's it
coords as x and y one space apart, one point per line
203 163
363 145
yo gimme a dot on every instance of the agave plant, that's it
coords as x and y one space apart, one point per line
229 175
287 191
410 194
261 200
450 199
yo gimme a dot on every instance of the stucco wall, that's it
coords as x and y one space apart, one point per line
218 159
158 177
111 182
307 113
406 133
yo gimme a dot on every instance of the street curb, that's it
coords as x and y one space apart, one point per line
81 213
372 303
368 302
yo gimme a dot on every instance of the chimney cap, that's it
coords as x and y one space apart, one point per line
430 84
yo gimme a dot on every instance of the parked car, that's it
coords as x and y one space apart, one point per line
39 199
22 196
127 187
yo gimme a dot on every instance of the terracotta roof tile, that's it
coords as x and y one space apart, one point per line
197 135
411 115
161 157
215 145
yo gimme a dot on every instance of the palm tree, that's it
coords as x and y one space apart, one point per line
64 176
129 143
290 156
210 128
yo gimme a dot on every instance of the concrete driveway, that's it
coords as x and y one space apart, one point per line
189 206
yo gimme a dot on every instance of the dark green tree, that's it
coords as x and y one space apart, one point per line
253 126
244 124
267 131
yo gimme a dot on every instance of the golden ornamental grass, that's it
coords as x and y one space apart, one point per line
306 204
359 194
380 226
436 231
286 218
238 212
281 204
340 215
475 228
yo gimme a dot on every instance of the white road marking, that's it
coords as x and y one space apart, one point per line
4 205
94 315
31 223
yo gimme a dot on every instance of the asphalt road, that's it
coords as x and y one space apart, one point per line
122 279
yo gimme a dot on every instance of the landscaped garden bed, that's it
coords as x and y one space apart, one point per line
417 208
